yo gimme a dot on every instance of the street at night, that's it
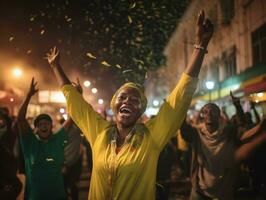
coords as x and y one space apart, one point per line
136 100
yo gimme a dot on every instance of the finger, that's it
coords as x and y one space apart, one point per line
78 81
200 19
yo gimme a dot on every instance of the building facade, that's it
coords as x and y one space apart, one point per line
236 58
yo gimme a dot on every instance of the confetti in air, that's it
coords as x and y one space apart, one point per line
105 64
90 55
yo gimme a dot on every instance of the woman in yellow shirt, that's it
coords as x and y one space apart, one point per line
125 154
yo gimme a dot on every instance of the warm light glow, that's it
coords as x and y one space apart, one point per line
62 110
17 72
46 96
260 94
87 83
11 99
94 90
65 116
155 103
100 101
209 85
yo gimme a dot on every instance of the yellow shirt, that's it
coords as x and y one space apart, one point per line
130 174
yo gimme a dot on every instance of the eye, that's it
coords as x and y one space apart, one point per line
120 97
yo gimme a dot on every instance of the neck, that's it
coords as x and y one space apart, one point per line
122 131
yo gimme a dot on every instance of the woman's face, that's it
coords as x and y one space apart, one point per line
127 107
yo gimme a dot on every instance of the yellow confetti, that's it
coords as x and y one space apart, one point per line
126 71
105 63
32 19
29 51
42 32
69 19
90 55
118 66
137 60
133 5
11 39
129 19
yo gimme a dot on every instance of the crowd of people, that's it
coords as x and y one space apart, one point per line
132 159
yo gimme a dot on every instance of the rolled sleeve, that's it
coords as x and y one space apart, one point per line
173 111
89 121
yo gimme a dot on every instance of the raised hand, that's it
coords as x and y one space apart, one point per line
53 57
204 30
32 90
235 100
78 86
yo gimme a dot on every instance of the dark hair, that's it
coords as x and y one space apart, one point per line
213 105
41 117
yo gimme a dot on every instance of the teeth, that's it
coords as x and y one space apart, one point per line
125 110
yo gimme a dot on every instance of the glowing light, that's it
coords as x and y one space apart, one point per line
257 101
94 90
17 72
260 94
62 110
155 103
100 101
87 83
209 85
11 99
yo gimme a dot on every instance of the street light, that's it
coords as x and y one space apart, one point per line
94 90
17 72
87 84
100 101
209 86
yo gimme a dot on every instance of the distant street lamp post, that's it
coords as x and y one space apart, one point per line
210 86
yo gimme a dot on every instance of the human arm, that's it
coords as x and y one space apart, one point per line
204 32
22 124
246 149
174 109
254 131
252 105
82 113
239 110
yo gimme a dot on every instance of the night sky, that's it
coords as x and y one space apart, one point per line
107 42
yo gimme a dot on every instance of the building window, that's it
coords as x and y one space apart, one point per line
228 10
229 63
259 45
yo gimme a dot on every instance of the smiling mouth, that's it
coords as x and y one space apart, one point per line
125 112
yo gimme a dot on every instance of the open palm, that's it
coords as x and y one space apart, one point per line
53 56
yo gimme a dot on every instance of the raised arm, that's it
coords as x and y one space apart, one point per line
249 134
82 113
246 149
174 109
257 116
54 60
204 31
21 120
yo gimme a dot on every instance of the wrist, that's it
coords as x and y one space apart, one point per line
55 65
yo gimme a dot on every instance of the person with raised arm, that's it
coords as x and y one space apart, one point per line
125 153
43 153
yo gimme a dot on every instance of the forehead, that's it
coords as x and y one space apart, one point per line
129 91
210 107
43 121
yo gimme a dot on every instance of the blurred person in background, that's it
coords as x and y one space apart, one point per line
216 153
10 185
43 153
